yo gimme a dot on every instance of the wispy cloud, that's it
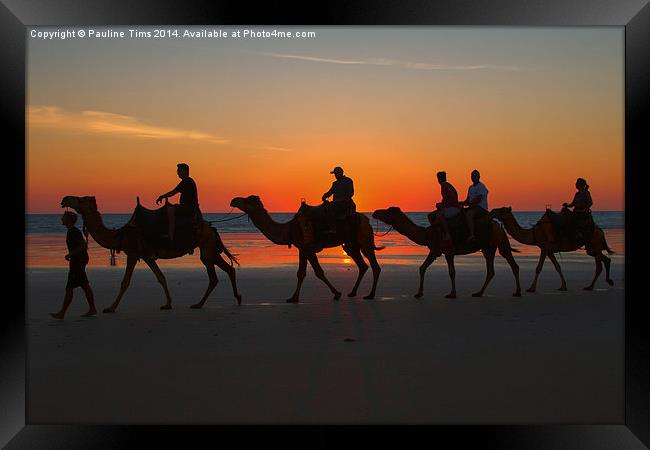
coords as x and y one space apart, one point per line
107 123
392 62
276 149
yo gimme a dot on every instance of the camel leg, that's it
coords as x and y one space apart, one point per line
538 270
230 271
302 271
212 282
599 268
376 270
320 274
355 254
489 262
131 261
452 274
506 252
161 279
423 270
607 261
556 264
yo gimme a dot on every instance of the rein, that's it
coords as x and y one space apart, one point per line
384 234
227 218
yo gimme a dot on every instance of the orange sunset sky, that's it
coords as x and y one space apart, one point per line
531 108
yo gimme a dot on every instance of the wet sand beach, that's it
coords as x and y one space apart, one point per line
545 357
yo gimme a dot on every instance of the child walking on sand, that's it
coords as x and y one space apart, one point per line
78 258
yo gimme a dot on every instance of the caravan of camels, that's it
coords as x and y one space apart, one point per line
455 228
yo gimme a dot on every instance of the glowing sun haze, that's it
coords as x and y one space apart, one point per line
532 109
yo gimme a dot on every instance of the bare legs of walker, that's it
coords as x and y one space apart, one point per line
67 300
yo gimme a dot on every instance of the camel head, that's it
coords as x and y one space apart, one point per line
82 205
247 204
387 215
501 213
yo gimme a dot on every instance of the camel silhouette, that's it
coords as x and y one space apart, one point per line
540 235
129 240
356 240
431 237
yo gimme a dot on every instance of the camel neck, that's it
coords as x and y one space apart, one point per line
521 235
278 233
414 232
101 234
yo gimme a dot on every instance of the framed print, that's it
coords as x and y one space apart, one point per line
361 214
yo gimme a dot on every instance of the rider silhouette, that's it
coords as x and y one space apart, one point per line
580 221
188 206
342 191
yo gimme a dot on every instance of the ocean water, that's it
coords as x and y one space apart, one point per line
45 239
51 223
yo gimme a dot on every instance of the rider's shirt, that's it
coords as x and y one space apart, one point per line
476 190
187 188
342 189
582 201
449 195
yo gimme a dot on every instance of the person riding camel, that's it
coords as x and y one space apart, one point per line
188 206
581 221
476 202
446 209
342 204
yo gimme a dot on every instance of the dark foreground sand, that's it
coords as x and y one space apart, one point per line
548 357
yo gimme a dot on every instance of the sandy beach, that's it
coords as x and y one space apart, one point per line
545 357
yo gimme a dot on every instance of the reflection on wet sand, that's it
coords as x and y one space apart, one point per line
254 250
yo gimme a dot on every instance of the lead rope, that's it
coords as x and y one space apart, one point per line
227 218
381 235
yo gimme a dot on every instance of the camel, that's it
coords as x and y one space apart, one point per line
291 233
431 238
128 240
540 236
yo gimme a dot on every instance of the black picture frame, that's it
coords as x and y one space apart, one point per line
634 15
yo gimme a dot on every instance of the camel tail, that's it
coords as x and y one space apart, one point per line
222 248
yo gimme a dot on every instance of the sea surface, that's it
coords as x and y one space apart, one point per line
45 242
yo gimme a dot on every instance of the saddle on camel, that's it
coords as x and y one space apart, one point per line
316 222
568 226
153 228
458 229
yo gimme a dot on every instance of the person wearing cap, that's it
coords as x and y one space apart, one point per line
341 192
78 258
188 205
476 202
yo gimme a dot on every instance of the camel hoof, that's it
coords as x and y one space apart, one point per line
517 294
418 295
451 295
610 282
563 289
369 297
589 288
109 310
292 300
196 306
352 294
337 295
477 294
238 297
163 307
531 290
